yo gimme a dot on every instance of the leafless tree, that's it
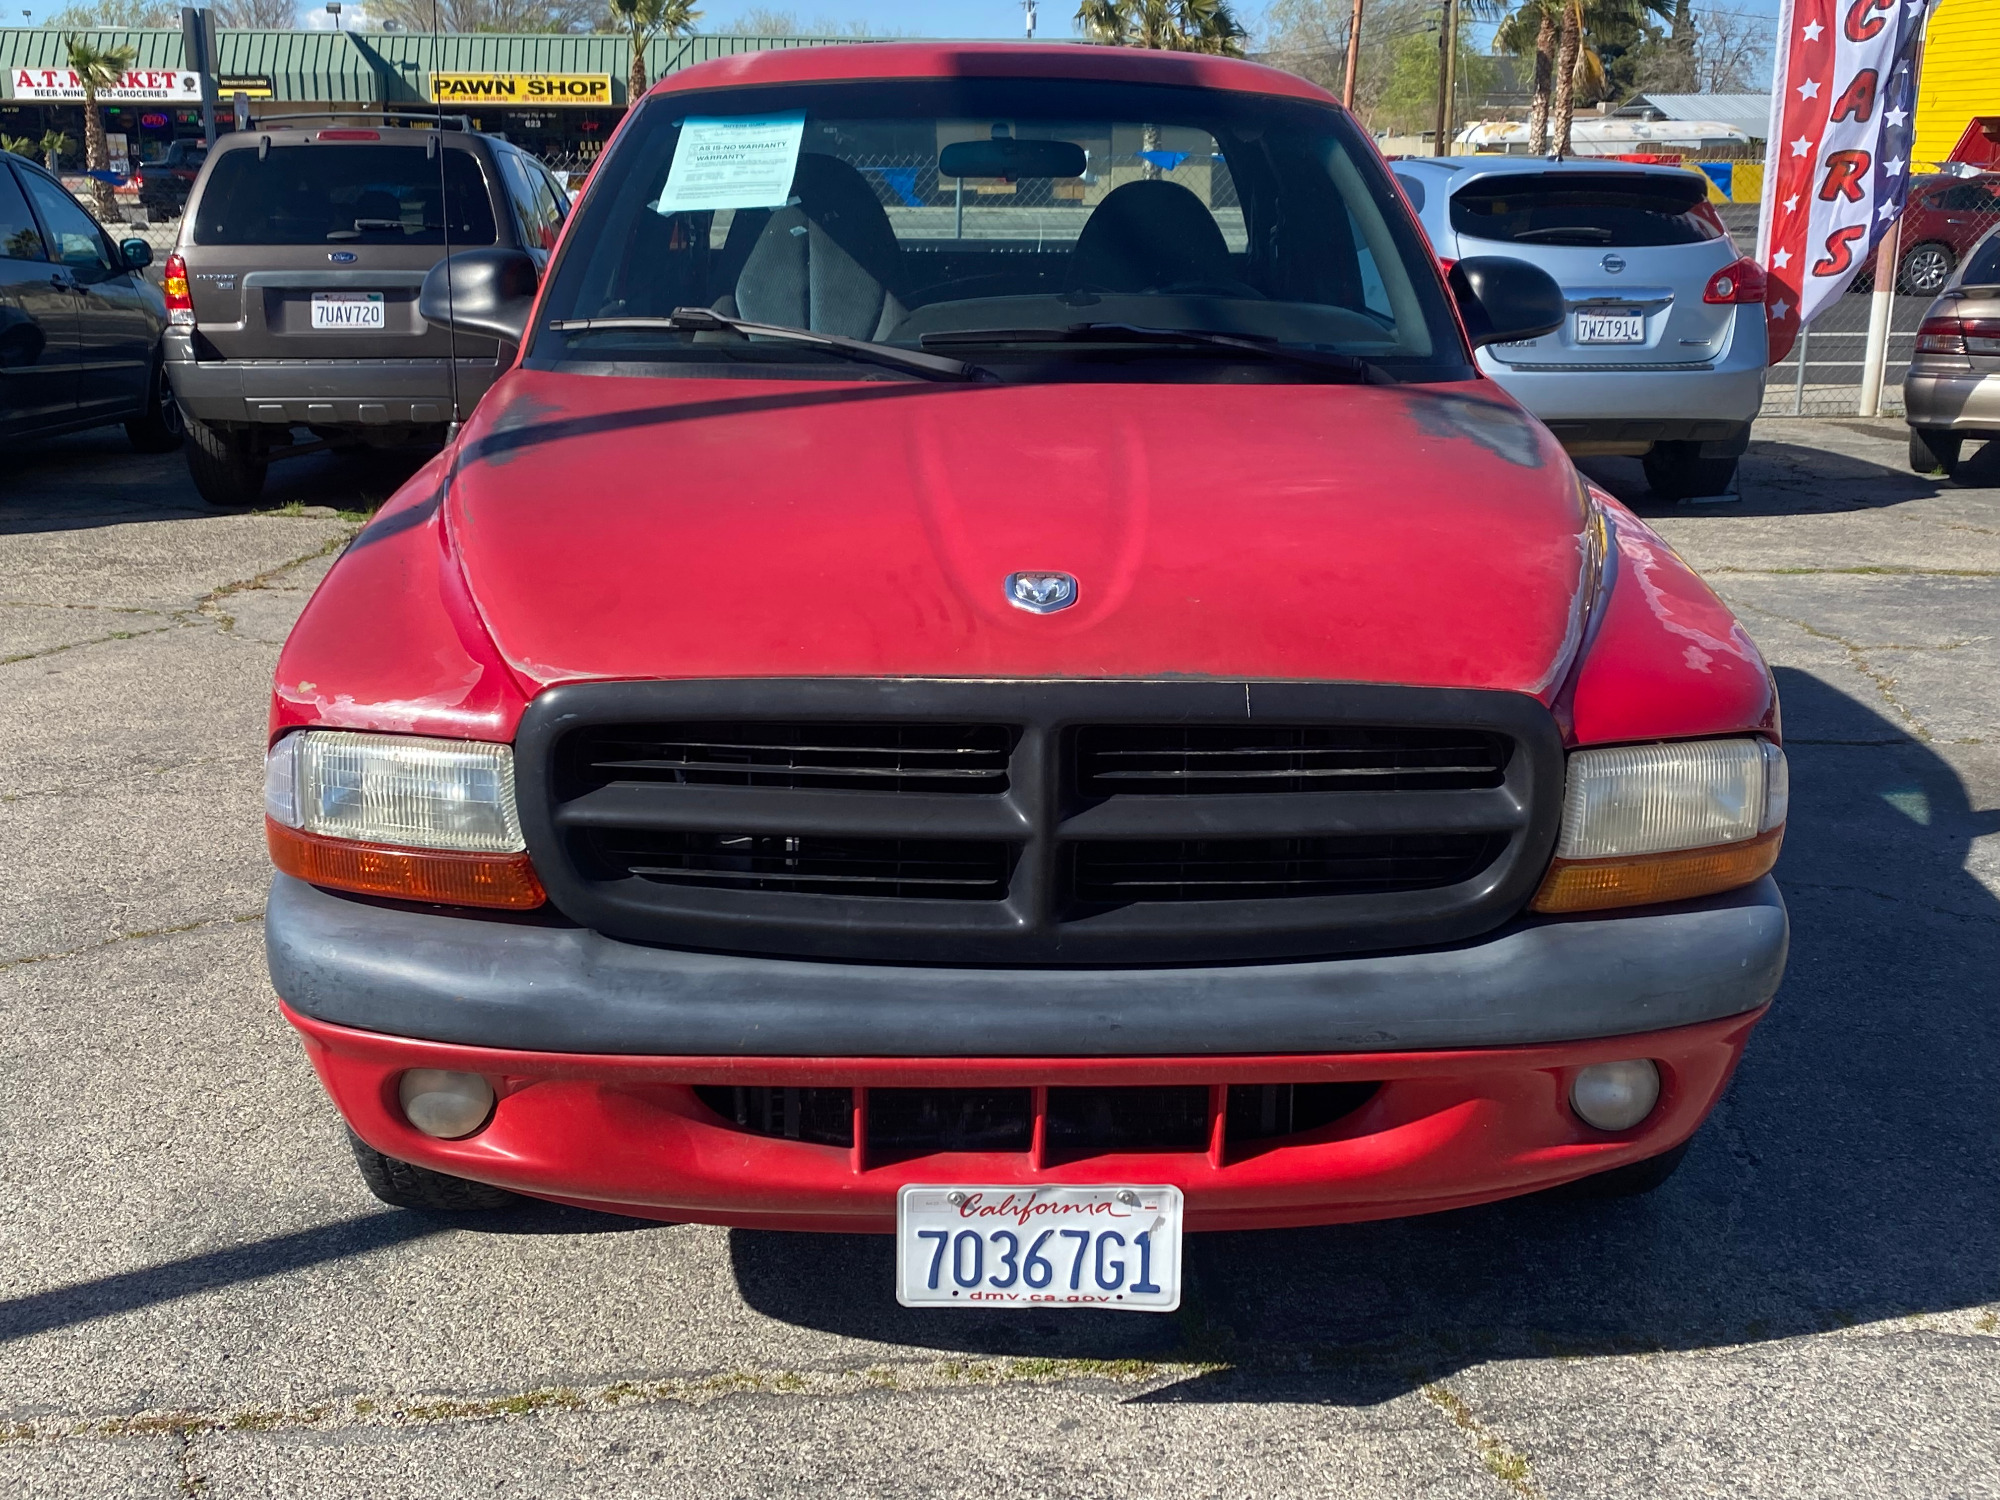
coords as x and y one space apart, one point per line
257 15
490 15
1732 52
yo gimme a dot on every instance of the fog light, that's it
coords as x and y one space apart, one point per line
1611 1096
445 1104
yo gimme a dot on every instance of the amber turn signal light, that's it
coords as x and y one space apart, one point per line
1647 879
441 876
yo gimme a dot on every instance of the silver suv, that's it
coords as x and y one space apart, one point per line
292 294
1662 352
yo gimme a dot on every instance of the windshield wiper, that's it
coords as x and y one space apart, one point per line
1357 370
707 320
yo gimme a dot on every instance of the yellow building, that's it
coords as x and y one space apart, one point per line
1961 76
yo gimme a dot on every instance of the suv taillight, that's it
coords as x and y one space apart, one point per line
1740 281
180 306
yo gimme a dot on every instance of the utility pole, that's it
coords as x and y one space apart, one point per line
1028 10
198 57
1353 57
1447 65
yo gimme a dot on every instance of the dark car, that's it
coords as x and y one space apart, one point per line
164 185
1946 217
81 330
293 290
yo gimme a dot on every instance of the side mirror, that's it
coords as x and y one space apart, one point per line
1504 300
481 291
138 254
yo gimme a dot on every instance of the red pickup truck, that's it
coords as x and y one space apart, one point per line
994 671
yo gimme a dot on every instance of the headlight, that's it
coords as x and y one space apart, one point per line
398 815
1649 823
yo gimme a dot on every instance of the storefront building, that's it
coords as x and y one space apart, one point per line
557 96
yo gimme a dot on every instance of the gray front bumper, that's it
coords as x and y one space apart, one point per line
324 392
498 983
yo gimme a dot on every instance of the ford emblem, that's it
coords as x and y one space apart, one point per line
1613 264
341 257
1041 593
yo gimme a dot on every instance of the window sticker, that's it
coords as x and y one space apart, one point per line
734 161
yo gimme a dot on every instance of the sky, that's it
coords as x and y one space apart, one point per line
939 18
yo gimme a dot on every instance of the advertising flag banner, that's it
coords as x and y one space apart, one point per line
1837 169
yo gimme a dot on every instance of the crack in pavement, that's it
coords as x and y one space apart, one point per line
1506 1464
132 937
209 603
1862 890
393 1411
116 635
1856 658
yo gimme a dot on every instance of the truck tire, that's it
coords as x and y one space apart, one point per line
1632 1180
403 1185
1934 450
159 429
1677 471
225 469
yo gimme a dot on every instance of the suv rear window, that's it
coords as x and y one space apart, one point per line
1579 208
320 194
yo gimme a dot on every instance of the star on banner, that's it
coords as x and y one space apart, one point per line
1802 145
1809 89
1792 204
1886 212
1894 118
1780 310
1811 30
1780 260
1915 8
1894 166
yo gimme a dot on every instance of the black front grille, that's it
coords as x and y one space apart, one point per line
953 759
901 1123
909 869
1224 760
1267 869
1056 823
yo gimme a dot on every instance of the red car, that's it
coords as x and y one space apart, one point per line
1945 218
996 672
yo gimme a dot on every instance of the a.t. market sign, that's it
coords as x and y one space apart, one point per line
139 86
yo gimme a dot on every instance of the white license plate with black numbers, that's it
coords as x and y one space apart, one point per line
1116 1247
344 310
1622 325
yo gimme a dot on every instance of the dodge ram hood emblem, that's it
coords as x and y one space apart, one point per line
1041 593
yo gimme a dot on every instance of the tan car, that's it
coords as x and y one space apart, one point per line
1953 389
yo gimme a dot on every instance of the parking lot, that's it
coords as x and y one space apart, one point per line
198 1296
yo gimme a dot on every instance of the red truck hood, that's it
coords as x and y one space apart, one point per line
618 527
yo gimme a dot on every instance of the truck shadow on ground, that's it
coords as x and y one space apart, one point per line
1784 479
1846 1178
88 479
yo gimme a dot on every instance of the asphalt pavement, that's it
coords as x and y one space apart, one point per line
198 1297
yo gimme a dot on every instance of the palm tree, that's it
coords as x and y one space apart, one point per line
1164 25
97 68
1534 26
643 20
1577 62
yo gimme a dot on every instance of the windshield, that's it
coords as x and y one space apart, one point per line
950 214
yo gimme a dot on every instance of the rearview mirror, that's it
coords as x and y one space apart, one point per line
138 254
1007 157
1504 300
481 291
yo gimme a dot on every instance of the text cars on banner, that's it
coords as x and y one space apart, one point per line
1837 169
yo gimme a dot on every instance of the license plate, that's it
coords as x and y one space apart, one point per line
1112 1247
1626 326
348 310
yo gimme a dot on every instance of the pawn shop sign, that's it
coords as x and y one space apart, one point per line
1837 169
